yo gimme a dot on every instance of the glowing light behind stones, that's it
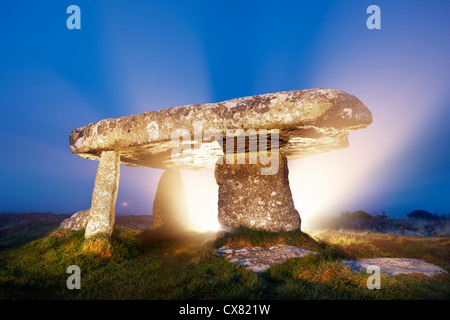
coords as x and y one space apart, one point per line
202 194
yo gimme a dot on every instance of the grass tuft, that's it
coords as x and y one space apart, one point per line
99 245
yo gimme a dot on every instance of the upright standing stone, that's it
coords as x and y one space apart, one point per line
170 206
251 199
102 216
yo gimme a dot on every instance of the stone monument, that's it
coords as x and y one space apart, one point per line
247 141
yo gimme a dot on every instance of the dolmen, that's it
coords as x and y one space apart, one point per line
247 141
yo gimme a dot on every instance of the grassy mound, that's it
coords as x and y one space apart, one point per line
246 237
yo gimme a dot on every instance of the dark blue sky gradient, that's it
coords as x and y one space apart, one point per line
136 56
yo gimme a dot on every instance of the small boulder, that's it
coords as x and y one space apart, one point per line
78 221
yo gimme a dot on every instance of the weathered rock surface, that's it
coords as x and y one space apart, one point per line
259 259
396 266
248 198
170 207
102 212
309 122
78 221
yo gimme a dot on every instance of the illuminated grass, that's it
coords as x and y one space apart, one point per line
154 265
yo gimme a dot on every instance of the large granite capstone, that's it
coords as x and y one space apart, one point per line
310 122
277 127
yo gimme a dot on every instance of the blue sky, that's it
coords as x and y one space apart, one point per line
135 56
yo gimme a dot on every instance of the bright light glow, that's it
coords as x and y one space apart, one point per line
325 185
402 100
202 194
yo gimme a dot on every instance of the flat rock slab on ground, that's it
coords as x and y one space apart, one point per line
259 259
396 266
